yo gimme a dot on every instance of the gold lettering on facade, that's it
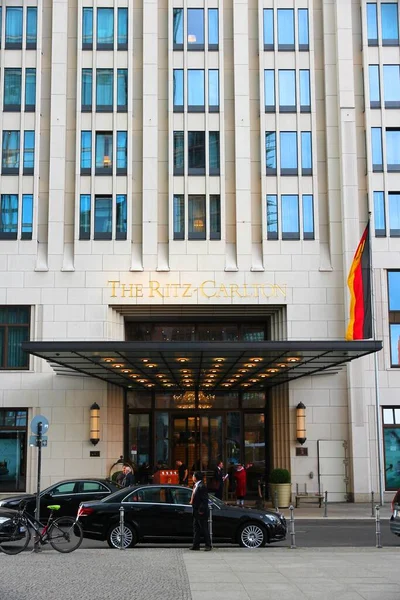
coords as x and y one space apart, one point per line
186 289
155 287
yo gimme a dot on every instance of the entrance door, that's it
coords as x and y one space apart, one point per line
197 441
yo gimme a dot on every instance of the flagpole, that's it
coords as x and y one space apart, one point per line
378 416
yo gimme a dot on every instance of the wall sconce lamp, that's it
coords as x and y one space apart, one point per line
301 423
95 423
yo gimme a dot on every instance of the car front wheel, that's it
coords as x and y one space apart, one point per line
252 535
129 535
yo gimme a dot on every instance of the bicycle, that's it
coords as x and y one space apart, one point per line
64 533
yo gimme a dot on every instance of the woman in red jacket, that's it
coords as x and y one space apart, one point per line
240 476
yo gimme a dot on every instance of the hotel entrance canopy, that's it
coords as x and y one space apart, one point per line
208 366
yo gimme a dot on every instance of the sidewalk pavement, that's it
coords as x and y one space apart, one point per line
335 510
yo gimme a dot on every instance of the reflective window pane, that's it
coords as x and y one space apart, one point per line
303 28
178 28
86 152
104 153
179 217
214 152
9 215
104 90
30 90
254 448
122 90
27 217
306 153
290 217
10 154
394 290
215 217
213 36
14 27
379 214
195 34
391 85
103 217
270 152
87 28
122 28
121 217
374 87
139 438
31 27
308 217
268 29
179 154
122 152
393 149
213 90
285 29
394 214
86 99
287 90
84 217
305 98
196 153
105 28
388 417
372 24
272 217
196 90
178 90
12 89
395 345
389 24
376 146
197 217
288 152
269 90
29 152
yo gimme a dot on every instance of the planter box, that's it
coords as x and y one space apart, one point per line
284 494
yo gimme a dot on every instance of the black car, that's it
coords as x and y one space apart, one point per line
68 494
163 512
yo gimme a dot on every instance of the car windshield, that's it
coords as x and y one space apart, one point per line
117 496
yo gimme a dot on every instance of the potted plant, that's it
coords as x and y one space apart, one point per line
280 487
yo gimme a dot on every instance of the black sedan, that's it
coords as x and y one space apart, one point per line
68 494
163 512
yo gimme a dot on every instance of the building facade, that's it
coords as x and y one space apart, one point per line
179 177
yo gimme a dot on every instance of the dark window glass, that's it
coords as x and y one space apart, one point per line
179 153
29 152
303 28
12 89
84 217
87 82
196 90
9 216
376 146
269 90
290 217
393 149
196 153
122 28
305 97
197 217
287 90
15 330
105 28
13 443
30 90
104 153
389 24
213 90
179 217
308 217
178 29
285 29
391 86
104 90
122 152
178 90
374 86
10 158
215 217
14 27
31 27
270 152
1 21
87 29
122 90
102 218
214 152
195 34
272 217
86 152
288 152
306 153
394 214
121 217
213 34
268 29
379 214
27 217
372 24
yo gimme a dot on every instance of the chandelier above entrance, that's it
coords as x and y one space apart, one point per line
187 400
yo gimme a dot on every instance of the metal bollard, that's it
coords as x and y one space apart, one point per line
122 527
292 534
378 527
276 501
372 504
326 504
210 523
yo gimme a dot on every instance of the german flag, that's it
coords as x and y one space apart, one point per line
359 282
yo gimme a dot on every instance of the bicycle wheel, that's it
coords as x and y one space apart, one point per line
14 535
65 534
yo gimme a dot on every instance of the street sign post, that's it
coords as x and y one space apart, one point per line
39 426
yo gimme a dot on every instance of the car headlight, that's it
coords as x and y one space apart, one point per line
4 520
272 519
2 502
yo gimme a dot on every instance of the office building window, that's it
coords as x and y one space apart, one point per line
12 89
87 28
195 90
394 316
13 436
214 152
104 90
290 217
179 153
31 28
268 15
10 157
196 217
178 90
122 90
30 90
391 86
272 217
14 329
9 217
104 153
269 90
308 217
374 86
122 152
393 149
394 214
389 24
213 90
372 24
86 153
376 146
105 28
285 29
305 94
195 29
215 217
288 153
84 217
196 153
306 153
122 34
303 29
14 16
379 214
27 217
102 218
29 152
178 29
87 84
1 21
213 33
121 217
179 217
270 152
391 437
287 90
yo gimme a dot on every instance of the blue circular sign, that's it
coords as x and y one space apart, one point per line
35 423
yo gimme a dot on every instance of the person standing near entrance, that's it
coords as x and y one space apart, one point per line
219 477
199 501
241 481
183 472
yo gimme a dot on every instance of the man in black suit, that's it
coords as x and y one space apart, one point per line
219 477
199 501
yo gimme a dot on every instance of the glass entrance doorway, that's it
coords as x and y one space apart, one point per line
197 441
